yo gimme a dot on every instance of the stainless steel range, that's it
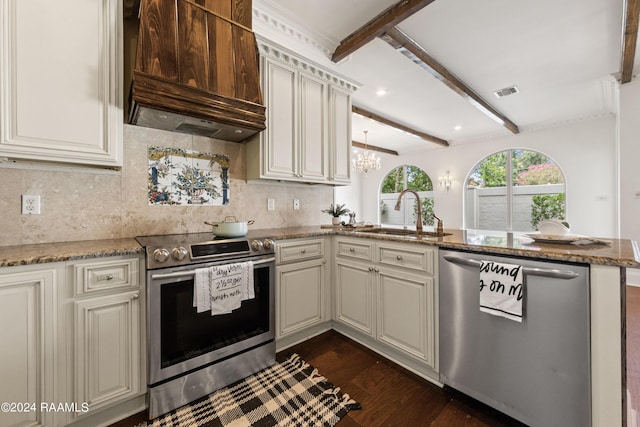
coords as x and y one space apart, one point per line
191 353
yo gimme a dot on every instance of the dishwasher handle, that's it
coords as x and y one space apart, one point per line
533 271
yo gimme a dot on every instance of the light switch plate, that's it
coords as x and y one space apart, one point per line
296 204
271 205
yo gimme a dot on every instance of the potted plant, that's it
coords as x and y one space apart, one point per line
336 212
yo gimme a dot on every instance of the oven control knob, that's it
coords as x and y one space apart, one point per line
160 255
256 245
268 244
179 253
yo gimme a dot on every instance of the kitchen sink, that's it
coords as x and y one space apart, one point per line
404 232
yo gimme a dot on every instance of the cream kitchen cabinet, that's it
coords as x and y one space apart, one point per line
339 136
354 282
301 290
73 342
31 355
105 315
308 135
61 78
385 295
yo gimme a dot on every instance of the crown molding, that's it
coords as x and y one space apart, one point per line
276 52
272 21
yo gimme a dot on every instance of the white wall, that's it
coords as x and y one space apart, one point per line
629 134
586 152
630 160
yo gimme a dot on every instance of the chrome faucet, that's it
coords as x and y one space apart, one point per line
419 220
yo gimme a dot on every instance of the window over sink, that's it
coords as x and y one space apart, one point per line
399 179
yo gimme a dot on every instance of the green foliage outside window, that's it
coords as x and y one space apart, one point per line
417 180
427 211
546 206
528 168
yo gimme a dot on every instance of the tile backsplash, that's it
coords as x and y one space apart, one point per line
80 204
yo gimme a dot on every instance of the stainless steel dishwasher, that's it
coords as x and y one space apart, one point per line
537 371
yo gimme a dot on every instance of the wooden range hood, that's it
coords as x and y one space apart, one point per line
196 69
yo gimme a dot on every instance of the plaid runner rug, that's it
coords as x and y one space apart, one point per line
291 393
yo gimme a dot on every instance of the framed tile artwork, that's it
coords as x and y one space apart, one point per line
185 177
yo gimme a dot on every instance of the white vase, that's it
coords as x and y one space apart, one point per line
335 220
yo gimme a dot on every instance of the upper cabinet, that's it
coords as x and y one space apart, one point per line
308 135
60 81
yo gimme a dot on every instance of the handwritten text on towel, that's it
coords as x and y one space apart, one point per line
496 285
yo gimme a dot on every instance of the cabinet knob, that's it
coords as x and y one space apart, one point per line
136 295
376 269
108 276
302 251
352 250
370 268
399 257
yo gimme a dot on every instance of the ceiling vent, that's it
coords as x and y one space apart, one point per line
506 91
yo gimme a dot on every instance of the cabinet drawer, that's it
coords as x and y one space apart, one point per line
360 249
416 258
93 277
300 250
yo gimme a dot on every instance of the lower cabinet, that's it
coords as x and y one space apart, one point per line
107 349
104 296
405 313
72 342
354 287
301 290
386 296
30 354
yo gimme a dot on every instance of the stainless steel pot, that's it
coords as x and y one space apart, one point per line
230 227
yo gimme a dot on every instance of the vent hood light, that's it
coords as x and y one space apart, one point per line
506 91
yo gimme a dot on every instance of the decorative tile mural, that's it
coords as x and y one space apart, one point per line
184 177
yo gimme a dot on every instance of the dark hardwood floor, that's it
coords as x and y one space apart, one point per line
393 396
389 394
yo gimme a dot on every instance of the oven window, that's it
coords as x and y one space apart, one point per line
186 334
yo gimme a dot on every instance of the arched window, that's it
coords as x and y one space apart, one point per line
401 178
513 190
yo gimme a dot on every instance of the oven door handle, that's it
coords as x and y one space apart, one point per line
193 272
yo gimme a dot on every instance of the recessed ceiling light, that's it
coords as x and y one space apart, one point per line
381 92
457 127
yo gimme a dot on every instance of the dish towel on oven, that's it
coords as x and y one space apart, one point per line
501 289
222 288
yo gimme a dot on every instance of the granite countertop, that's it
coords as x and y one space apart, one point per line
66 251
620 252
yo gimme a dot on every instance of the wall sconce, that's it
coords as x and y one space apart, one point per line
445 181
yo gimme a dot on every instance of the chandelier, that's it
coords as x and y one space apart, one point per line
364 162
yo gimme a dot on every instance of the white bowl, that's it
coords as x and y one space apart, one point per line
553 226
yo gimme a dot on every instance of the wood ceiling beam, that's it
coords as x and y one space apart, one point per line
404 44
378 26
373 148
629 39
389 122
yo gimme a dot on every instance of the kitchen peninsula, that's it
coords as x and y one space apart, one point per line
108 258
607 265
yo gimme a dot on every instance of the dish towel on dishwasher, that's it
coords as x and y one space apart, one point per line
501 289
222 288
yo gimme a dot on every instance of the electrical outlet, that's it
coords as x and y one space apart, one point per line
296 204
30 205
271 205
